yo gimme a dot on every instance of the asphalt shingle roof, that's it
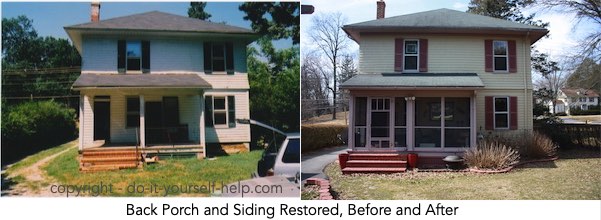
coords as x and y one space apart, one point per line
419 80
141 80
160 21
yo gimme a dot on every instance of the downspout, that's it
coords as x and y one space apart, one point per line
526 51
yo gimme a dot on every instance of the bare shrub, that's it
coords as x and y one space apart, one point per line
529 144
491 155
542 146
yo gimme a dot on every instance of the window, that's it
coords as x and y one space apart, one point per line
219 57
220 111
582 99
292 152
591 99
584 107
501 112
442 122
500 58
133 112
134 55
410 57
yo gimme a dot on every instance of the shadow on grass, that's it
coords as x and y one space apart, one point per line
7 184
580 153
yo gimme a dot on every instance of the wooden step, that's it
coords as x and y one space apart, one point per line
377 163
349 170
367 156
108 167
107 159
103 153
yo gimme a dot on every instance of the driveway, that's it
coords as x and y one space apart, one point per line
312 163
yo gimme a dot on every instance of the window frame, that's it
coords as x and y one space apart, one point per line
223 59
127 57
506 56
405 55
591 99
582 99
495 113
129 112
221 111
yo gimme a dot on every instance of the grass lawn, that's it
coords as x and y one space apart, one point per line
182 173
576 175
30 160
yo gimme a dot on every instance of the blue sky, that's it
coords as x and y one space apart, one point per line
562 41
49 18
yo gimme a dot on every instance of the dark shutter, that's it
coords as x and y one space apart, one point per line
209 111
423 55
207 58
398 54
488 112
121 56
488 56
513 113
513 65
145 56
229 58
231 111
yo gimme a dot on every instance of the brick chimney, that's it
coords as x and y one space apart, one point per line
381 9
95 13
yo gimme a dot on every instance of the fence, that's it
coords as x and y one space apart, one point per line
318 107
570 135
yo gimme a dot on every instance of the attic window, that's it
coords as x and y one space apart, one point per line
500 55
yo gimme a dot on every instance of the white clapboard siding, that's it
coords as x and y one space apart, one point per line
172 56
238 81
241 133
449 54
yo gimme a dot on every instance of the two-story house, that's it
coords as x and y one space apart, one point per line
574 98
431 82
161 81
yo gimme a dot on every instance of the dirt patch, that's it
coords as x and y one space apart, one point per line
234 148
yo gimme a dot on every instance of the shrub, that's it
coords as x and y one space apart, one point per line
320 136
491 155
30 127
541 146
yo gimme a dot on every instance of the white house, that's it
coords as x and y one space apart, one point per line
161 80
574 98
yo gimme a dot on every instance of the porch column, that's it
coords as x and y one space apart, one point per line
201 125
351 123
142 124
410 121
473 123
82 99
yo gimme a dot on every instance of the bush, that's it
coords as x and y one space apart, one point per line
491 155
32 126
593 110
528 144
321 135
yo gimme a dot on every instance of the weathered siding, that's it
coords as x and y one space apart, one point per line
241 133
449 54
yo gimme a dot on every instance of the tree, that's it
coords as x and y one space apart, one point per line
585 10
348 69
197 10
587 75
327 34
505 9
314 96
19 43
553 80
276 20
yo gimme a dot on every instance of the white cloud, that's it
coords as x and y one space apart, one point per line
563 38
460 6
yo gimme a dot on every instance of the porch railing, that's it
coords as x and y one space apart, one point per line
167 134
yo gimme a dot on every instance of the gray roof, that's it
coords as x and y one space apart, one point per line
414 80
141 80
443 20
160 21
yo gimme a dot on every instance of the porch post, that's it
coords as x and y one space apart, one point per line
473 123
82 99
351 123
201 125
142 124
410 121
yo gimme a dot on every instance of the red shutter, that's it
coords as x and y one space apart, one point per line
398 54
488 55
488 113
423 55
513 65
513 113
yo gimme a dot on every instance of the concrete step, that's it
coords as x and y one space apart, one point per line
377 163
349 170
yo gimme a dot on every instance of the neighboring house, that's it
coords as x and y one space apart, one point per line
574 98
161 81
432 82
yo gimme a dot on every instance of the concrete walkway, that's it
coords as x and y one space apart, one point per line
313 163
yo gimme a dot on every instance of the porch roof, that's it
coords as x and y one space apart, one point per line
414 80
141 80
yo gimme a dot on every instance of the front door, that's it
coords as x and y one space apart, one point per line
153 117
102 118
379 111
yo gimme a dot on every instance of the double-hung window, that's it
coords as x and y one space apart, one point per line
411 56
500 56
220 111
501 112
219 57
134 55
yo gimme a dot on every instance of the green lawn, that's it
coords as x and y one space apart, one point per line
576 175
30 160
185 173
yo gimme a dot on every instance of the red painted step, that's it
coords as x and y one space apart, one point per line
349 170
367 156
377 163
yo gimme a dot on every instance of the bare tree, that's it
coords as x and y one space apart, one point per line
327 34
552 82
313 90
589 10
